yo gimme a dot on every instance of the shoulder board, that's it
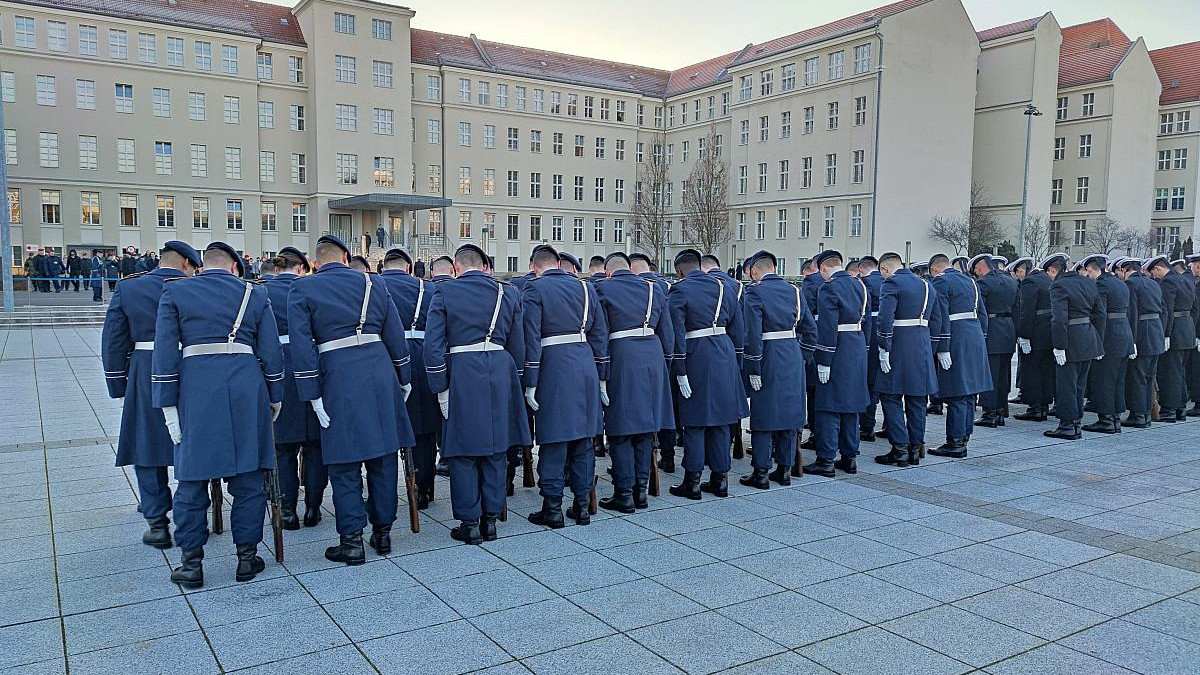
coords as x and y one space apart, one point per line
256 282
132 276
170 279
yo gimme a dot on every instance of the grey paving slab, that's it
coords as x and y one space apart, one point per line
1049 548
490 592
969 637
849 518
450 563
51 667
914 538
1095 593
873 651
115 589
791 567
728 541
1172 617
385 613
32 642
676 521
445 649
580 572
1031 612
188 653
608 533
1137 648
717 585
791 529
534 546
791 619
705 643
273 637
856 552
635 604
248 601
791 500
541 627
1142 573
1054 659
615 655
788 663
340 583
996 563
128 624
936 580
344 660
657 556
868 598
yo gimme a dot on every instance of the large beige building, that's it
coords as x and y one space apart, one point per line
1176 177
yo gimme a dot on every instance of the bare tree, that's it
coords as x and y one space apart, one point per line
649 210
705 210
976 231
1107 235
1037 237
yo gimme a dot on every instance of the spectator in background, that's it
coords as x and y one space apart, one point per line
381 237
419 269
126 266
151 261
39 271
95 268
112 270
54 269
74 269
31 272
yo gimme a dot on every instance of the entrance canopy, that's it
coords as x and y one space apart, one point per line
389 200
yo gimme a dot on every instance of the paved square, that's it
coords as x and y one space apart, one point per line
1032 556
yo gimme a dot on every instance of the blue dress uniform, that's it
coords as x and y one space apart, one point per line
297 432
1077 326
566 359
707 322
734 286
910 314
127 342
1107 376
412 296
667 437
519 282
866 423
780 338
843 320
966 342
1146 301
1037 366
473 345
639 392
349 351
1193 377
998 293
808 292
1179 295
217 360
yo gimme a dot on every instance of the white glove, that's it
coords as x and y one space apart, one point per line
685 388
443 398
885 361
407 389
1099 358
823 374
318 407
275 408
531 398
944 360
1198 344
1060 357
604 393
171 415
1168 347
1134 354
1025 345
756 382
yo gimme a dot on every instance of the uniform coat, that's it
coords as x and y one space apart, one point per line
999 294
1077 325
1146 301
1108 374
405 289
1179 294
966 338
711 363
1037 367
843 301
905 295
638 387
874 284
771 306
296 422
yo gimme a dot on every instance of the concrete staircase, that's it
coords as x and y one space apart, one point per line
30 317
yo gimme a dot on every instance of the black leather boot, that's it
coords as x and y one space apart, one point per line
866 435
349 550
381 539
757 479
666 463
897 457
717 484
159 534
424 497
781 474
991 419
954 448
621 501
690 487
442 468
1065 430
1035 413
846 464
578 510
1106 424
290 520
312 515
511 474
821 467
640 500
1193 411
468 533
914 454
810 444
1181 415
598 447
1136 421
934 409
550 515
190 573
487 527
249 563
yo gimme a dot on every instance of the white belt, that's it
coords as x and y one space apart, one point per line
568 339
816 317
217 348
849 327
704 332
911 322
779 335
414 334
349 341
144 346
961 316
285 339
484 346
632 332
874 313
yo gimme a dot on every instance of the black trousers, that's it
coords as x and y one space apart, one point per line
1172 380
1000 366
1038 374
1139 384
1070 381
1106 385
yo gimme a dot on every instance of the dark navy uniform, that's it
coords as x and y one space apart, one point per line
519 282
733 286
667 437
998 292
1077 326
1193 379
843 320
808 292
1107 377
1179 295
1037 366
966 342
1149 339
866 423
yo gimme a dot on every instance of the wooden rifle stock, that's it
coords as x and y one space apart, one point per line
410 491
527 479
218 500
654 487
592 496
275 499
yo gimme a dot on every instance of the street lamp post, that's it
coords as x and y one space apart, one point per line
1030 112
6 255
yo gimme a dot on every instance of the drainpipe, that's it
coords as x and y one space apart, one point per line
875 159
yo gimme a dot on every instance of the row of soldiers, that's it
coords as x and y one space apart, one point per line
321 373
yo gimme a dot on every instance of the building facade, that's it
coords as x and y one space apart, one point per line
1176 178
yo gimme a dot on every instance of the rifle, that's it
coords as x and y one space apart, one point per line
527 479
218 524
271 487
410 491
592 496
798 467
654 468
738 451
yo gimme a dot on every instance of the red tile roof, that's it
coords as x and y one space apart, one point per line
1092 35
1090 52
1179 69
261 20
1008 29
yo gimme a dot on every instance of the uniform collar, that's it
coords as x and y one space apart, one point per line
441 277
472 273
695 273
874 273
287 275
903 270
769 277
553 270
333 266
395 273
162 271
598 275
216 270
622 273
839 273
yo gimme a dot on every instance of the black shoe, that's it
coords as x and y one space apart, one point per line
599 448
424 497
578 510
442 468
991 419
291 521
781 474
1066 430
882 433
249 564
159 534
758 479
846 465
467 533
717 484
312 515
349 550
1165 417
934 409
666 464
914 454
1181 415
550 515
810 444
821 467
1089 407
511 473
1016 398
1193 411
1107 424
1052 411
640 499
689 488
1033 414
190 573
867 436
1136 421
487 527
954 448
381 539
621 501
897 457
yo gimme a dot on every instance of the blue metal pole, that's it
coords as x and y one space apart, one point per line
6 254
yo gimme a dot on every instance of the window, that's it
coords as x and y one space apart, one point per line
433 88
234 214
164 158
1085 145
1055 231
765 80
118 44
556 186
123 98
1177 199
174 51
199 156
200 213
619 190
860 111
10 146
126 155
806 172
836 60
266 69
299 217
202 53
1089 105
604 109
1164 160
785 124
578 188
856 220
160 102
296 69
639 152
266 166
744 132
85 95
233 163
535 140
266 115
88 42
1080 232
232 110
829 228
381 29
556 143
14 205
831 169
89 209
343 23
346 166
8 87
599 190
1165 238
52 207
464 224
833 115
805 223
1162 199
520 98
577 230
384 173
514 139
129 210
811 71
433 131
485 93
435 223
501 95
48 150
764 124
56 36
741 226
1060 147
1056 190
572 104
535 185
858 166
762 177
464 180
1081 190
164 208
781 224
600 148
345 69
579 142
383 121
745 85
296 117
1061 112
685 150
489 136
724 103
229 59
760 225
47 90
435 178
1180 162
381 74
787 81
513 184
464 134
89 159
1183 121
743 178
538 100
862 58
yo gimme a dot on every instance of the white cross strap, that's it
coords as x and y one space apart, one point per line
704 332
568 339
484 346
631 333
144 346
779 335
349 341
214 348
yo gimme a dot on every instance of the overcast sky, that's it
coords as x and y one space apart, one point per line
672 34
